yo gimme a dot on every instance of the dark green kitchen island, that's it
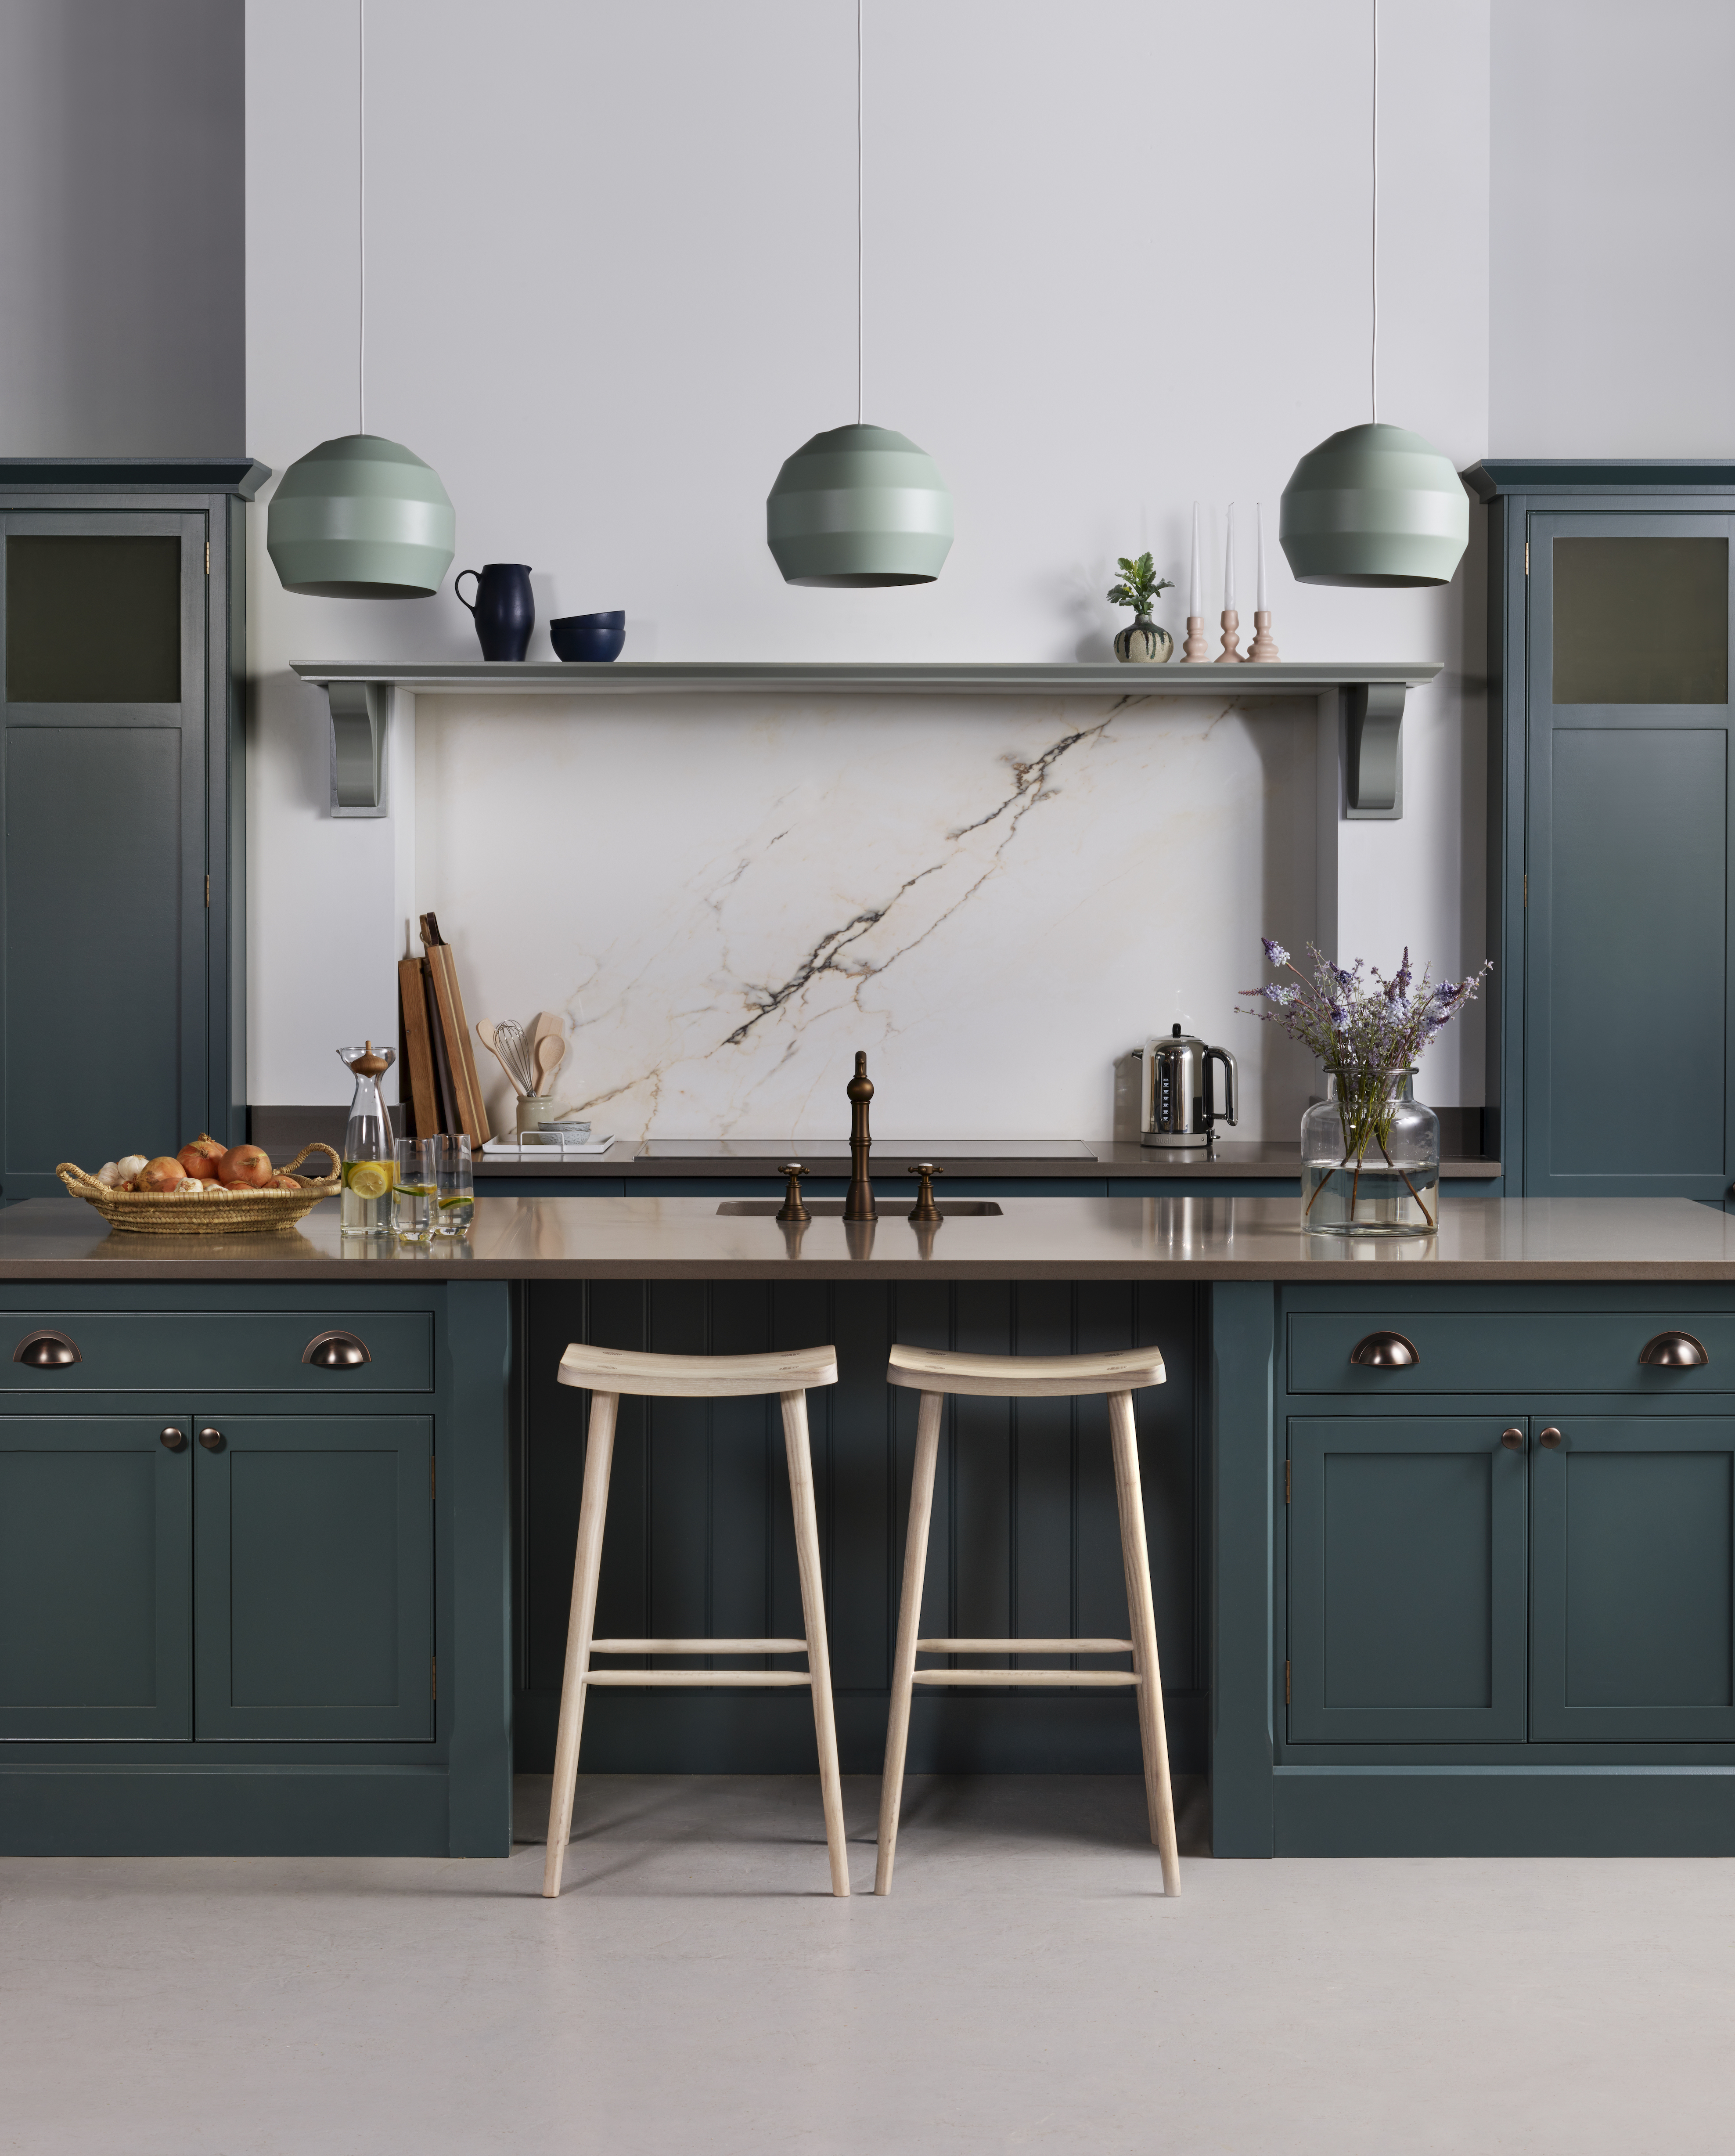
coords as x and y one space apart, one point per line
1476 1601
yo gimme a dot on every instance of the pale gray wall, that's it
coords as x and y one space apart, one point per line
1611 209
122 227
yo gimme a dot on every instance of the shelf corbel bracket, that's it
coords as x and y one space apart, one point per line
359 712
1373 752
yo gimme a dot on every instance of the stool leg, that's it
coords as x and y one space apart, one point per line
812 1604
909 1626
587 1565
1136 1554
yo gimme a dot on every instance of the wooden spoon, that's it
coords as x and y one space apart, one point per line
550 1053
485 1034
547 1027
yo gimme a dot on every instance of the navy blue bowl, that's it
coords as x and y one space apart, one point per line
581 637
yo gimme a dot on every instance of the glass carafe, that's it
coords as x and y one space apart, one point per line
368 1172
1370 1157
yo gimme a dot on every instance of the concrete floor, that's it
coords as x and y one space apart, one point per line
1025 1988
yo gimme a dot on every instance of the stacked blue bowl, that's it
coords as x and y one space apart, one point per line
587 638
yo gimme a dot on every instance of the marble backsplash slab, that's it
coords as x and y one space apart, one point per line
995 900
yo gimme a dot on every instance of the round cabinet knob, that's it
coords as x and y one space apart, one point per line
1675 1350
1551 1437
47 1351
1512 1439
1384 1351
175 1439
210 1439
336 1351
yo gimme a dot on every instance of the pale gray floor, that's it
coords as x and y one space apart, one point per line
697 1991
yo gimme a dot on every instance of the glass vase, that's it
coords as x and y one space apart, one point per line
1370 1157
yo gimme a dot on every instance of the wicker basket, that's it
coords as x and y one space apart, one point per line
156 1212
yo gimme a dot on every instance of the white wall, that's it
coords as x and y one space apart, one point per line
121 228
1115 263
1613 227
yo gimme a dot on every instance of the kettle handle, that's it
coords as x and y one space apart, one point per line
1226 1114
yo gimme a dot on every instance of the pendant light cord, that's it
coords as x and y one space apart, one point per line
362 215
1373 249
858 247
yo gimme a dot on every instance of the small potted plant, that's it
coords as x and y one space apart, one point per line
1141 643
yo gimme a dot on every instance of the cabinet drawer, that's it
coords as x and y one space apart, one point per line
1509 1350
220 1351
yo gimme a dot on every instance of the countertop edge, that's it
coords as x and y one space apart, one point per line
1347 1269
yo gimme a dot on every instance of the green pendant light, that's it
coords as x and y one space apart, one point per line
859 507
361 518
1375 505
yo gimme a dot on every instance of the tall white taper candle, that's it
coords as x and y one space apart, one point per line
1229 565
1196 583
1263 599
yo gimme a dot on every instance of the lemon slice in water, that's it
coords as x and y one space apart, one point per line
369 1178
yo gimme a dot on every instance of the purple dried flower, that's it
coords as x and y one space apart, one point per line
1275 950
1340 1017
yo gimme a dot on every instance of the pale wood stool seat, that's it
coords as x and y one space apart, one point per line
1024 1377
609 1372
933 1373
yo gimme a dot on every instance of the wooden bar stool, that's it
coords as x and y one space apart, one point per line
934 1373
609 1372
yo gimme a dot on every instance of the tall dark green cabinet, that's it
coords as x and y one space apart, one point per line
1612 1048
122 866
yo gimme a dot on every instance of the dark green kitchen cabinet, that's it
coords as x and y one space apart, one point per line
1633 1603
95 1577
121 806
1407 1580
1611 837
314 1537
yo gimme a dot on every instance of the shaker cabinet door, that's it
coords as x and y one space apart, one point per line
1633 1613
103 857
1629 834
1406 1580
314 1561
95 1577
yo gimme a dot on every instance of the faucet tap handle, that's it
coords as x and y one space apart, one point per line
792 1208
924 1208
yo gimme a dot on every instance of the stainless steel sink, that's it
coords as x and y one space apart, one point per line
832 1208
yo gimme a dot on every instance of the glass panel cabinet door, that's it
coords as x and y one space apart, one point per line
1628 929
103 923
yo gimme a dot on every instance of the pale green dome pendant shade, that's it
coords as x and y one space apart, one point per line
361 518
859 507
1374 506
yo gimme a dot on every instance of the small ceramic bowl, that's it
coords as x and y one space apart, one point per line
580 637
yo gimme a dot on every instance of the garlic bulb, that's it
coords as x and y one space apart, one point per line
109 1174
129 1167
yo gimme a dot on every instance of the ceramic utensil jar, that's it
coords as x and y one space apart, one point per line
504 609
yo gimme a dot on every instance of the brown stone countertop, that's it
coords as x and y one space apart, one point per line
1207 1238
1091 1159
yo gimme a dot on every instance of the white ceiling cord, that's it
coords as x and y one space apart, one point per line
362 215
858 214
1374 250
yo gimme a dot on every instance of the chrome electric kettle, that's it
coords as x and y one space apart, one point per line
1176 1103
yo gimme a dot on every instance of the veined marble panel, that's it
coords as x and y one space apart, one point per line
997 901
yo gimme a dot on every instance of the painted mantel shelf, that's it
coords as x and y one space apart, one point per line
360 695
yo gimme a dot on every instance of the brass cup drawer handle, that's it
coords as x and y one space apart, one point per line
210 1439
1385 1351
175 1439
47 1351
1512 1439
1551 1437
1675 1350
336 1351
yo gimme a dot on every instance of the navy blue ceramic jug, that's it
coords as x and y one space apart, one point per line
504 610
